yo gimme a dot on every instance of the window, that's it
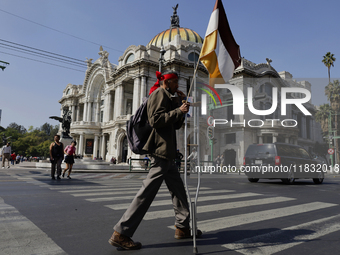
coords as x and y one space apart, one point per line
68 92
230 138
101 102
101 116
268 89
130 58
193 56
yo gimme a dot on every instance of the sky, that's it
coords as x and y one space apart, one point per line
294 34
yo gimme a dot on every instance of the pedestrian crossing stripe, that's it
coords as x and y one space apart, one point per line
247 218
218 207
114 189
263 244
111 193
104 199
200 199
19 235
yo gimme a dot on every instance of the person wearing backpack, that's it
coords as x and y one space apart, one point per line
165 115
56 156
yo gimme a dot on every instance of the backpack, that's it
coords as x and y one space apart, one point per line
138 129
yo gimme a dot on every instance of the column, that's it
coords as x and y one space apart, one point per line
106 108
260 139
81 144
95 146
275 137
118 101
85 112
77 148
102 149
78 112
73 109
96 119
286 139
89 111
109 108
142 89
136 94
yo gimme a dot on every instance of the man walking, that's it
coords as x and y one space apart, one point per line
6 154
165 117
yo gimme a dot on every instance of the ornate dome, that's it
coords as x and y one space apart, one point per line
169 35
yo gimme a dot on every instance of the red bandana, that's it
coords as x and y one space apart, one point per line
161 77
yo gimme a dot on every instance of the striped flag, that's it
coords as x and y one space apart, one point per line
220 53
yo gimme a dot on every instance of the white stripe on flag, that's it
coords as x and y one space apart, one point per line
213 22
225 63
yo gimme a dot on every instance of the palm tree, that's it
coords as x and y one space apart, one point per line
329 60
332 91
322 115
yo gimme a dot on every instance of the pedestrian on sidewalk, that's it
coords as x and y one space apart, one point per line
6 154
13 158
70 152
165 116
56 156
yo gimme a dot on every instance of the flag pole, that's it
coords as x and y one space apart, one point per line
192 81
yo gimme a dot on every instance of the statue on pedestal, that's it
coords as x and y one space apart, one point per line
65 123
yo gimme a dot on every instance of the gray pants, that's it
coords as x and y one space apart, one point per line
160 170
56 162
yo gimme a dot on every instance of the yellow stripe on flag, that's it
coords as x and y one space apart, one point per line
209 44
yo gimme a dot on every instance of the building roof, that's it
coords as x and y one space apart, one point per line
165 37
169 35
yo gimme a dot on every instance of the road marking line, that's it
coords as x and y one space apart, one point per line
218 207
103 199
263 244
119 191
205 198
21 236
115 189
248 218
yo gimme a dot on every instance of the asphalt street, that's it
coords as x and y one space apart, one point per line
43 216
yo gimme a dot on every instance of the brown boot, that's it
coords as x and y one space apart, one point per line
124 242
182 233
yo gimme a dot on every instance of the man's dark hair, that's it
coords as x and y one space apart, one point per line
57 135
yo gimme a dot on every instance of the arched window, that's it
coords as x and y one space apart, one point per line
130 58
68 92
193 56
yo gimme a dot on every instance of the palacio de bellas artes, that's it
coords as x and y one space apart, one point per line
111 93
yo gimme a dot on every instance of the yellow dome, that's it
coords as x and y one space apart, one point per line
168 35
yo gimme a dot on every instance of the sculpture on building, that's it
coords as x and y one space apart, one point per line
65 123
269 61
174 18
103 57
88 62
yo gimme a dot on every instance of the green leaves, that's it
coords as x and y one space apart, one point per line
35 142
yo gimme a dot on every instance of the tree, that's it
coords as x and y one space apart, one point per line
322 116
19 128
332 91
329 60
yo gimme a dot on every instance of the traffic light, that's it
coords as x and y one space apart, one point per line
210 132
